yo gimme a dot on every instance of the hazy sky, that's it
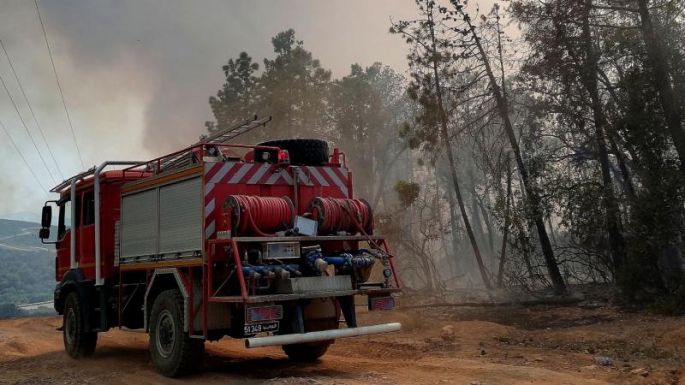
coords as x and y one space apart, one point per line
136 74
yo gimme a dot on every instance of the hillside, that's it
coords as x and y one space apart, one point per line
24 216
26 265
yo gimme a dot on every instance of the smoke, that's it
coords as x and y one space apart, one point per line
137 75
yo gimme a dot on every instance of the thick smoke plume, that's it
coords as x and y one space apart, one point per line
137 75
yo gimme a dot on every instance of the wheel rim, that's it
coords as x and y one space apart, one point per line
70 326
166 334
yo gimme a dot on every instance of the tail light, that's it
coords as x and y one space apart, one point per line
283 157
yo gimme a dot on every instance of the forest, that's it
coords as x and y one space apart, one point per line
26 267
534 145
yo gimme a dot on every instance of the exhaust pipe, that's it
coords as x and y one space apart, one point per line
288 339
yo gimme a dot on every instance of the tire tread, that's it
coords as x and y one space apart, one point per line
191 349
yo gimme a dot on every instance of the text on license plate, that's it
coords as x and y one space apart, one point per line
261 328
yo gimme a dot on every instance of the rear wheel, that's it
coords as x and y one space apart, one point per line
312 351
307 352
77 342
173 351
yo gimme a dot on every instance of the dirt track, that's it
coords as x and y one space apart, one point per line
519 346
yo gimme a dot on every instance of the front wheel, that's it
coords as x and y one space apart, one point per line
173 351
77 342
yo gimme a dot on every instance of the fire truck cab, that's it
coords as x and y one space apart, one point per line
268 245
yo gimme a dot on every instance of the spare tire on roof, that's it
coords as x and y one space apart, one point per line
303 152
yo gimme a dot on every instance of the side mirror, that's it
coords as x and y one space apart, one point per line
46 219
46 223
44 233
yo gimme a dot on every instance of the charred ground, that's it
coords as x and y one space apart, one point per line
465 345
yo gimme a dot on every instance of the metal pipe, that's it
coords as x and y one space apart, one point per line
72 240
98 258
296 193
325 335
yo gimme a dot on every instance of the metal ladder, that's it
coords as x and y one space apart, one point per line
186 158
223 136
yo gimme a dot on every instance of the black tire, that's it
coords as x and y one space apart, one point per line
312 351
303 152
309 352
77 342
173 351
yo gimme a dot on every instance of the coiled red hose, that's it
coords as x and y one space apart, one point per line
335 214
260 215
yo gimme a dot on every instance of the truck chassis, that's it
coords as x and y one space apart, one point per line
163 245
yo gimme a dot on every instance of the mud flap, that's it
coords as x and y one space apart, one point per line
347 308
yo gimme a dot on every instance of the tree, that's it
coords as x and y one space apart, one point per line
238 98
429 72
604 136
294 88
366 110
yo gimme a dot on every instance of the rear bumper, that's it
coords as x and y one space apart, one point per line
287 339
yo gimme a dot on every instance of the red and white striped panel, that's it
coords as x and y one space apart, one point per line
269 174
325 176
246 173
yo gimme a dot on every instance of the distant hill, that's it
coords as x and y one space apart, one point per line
26 265
24 216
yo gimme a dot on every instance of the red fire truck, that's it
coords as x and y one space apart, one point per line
265 243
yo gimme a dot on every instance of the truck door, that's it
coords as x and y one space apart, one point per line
86 235
65 230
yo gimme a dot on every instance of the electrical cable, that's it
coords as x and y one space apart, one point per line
59 86
40 129
27 129
22 157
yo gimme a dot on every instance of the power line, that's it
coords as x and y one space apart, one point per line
54 69
22 157
2 44
27 129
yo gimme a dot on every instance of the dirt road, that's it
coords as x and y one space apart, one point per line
477 346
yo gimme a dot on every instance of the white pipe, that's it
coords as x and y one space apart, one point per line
287 339
98 261
72 225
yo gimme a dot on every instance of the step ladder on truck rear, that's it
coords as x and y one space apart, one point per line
266 243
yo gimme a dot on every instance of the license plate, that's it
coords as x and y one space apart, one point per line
261 328
262 314
381 303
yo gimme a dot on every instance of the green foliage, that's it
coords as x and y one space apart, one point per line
26 266
366 110
10 310
291 89
407 192
237 99
361 112
294 86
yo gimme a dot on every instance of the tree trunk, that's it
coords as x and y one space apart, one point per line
629 187
658 60
488 222
444 133
589 76
476 213
454 223
383 175
533 196
451 262
503 254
